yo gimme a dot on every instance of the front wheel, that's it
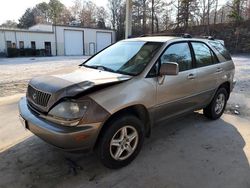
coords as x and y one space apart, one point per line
216 108
121 142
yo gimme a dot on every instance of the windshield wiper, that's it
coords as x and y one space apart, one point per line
126 73
100 67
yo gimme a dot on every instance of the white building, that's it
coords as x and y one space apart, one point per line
57 40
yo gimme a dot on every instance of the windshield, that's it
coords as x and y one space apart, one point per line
129 58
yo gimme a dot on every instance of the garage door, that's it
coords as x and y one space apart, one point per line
103 40
73 42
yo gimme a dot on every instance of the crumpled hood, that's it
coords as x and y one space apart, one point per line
74 83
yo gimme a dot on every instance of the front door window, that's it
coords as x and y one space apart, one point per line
178 53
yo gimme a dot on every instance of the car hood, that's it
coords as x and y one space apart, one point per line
72 84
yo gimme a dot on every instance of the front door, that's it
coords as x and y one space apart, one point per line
176 94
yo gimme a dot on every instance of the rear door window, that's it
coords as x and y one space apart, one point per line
203 54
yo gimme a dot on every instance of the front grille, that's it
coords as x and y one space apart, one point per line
38 97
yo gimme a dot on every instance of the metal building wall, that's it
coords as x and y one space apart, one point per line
56 37
2 43
90 38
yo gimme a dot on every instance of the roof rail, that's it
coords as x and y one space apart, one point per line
186 35
154 35
145 35
209 37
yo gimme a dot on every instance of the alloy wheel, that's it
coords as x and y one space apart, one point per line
124 143
220 103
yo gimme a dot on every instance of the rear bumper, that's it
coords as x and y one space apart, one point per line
66 138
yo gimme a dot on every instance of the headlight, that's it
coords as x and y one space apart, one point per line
69 111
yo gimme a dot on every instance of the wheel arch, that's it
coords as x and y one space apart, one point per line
140 111
227 86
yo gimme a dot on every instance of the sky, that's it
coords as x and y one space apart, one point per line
14 9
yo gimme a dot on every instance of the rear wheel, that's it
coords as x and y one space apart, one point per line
216 108
121 142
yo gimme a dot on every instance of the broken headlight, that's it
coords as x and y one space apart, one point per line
69 112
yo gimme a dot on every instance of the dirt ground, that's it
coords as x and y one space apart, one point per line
16 72
188 152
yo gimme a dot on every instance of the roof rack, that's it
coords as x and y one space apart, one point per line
209 37
186 35
183 35
145 35
154 35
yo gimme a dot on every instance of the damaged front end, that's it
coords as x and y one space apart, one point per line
63 99
45 92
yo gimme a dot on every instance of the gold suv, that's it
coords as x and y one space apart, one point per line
110 103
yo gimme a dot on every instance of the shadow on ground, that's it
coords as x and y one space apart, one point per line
188 152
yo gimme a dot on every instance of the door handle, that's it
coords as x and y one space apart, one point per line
219 70
191 76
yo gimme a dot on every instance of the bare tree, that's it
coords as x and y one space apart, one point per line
117 11
188 9
101 16
157 9
215 11
114 7
248 9
87 14
9 24
148 15
178 12
152 15
237 9
222 15
210 3
76 10
144 15
166 18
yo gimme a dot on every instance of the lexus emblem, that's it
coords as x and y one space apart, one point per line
34 96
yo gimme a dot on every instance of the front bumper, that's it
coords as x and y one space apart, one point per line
66 138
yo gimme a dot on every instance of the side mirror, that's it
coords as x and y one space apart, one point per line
169 68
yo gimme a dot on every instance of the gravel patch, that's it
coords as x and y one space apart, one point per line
16 73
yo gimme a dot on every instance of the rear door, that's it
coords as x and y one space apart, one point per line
208 70
176 94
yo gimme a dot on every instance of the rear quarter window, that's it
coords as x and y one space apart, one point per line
221 49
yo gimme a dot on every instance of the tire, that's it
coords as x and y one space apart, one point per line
216 108
108 153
